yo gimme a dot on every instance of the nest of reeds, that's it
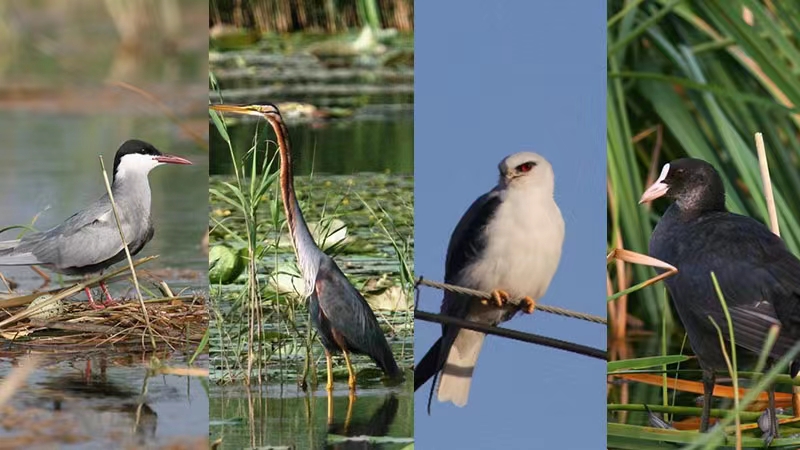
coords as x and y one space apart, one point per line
43 319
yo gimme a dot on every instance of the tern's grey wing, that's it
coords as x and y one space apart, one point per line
86 238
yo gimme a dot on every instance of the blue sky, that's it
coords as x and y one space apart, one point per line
492 79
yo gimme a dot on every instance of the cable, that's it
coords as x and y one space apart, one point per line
539 307
513 334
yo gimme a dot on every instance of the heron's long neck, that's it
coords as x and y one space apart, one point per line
304 245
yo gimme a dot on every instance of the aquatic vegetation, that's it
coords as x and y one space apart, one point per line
376 255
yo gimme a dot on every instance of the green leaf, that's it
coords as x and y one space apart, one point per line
643 363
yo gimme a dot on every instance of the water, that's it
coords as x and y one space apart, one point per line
104 400
331 147
282 416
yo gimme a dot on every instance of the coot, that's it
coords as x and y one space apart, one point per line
758 275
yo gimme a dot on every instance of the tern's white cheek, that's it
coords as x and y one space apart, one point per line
136 164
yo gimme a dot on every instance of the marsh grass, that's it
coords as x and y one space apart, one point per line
246 196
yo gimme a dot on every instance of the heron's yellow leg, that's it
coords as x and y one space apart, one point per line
350 400
528 305
351 380
330 408
329 361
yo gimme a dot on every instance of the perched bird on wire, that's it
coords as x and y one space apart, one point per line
758 276
344 320
507 243
88 241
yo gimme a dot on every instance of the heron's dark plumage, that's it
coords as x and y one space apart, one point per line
338 308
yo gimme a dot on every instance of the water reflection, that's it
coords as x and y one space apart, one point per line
278 416
102 402
376 424
116 405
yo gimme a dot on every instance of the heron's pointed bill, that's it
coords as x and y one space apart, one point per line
657 189
172 159
249 110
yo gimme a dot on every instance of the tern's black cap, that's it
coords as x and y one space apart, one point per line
132 146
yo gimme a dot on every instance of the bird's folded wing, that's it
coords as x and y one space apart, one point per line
19 259
8 245
347 311
766 277
751 326
468 239
92 244
86 238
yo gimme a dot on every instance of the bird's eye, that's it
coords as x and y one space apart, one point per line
526 167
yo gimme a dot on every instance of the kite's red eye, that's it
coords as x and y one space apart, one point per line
526 167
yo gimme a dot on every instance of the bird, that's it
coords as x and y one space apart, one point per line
343 319
508 243
89 241
759 277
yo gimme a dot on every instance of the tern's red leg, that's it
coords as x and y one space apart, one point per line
91 300
109 301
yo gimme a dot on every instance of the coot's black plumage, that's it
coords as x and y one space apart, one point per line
758 275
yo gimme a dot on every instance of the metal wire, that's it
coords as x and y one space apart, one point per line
514 334
539 307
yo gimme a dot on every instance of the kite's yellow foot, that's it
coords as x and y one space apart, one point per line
499 298
527 305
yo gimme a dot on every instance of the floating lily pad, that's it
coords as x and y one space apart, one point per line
225 264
